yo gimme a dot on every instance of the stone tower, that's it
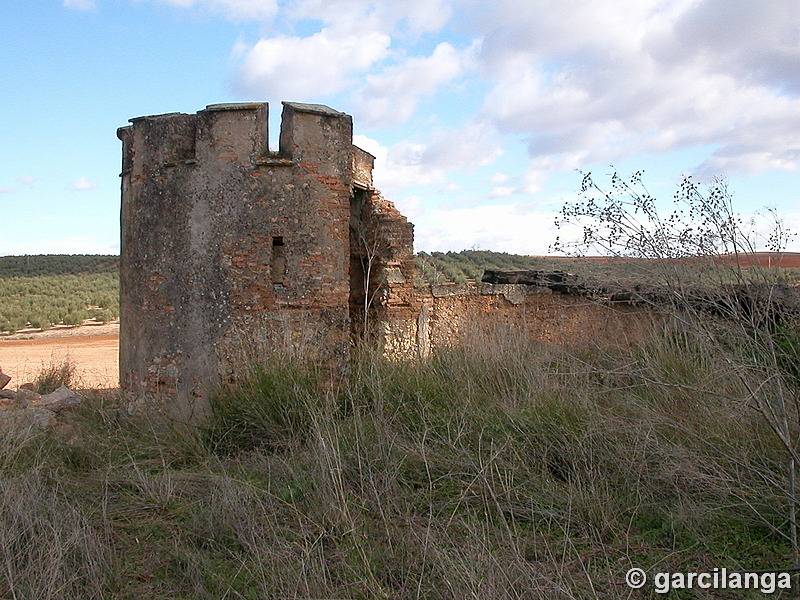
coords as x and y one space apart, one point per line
228 248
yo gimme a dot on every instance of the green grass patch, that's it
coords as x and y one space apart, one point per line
498 469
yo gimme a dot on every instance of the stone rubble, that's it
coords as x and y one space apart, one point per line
26 408
4 379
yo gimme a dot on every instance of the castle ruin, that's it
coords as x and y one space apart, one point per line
229 248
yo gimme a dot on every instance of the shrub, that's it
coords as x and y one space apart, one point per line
731 309
53 376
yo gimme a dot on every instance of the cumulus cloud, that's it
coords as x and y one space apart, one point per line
418 164
26 179
751 40
502 228
7 190
469 146
308 67
79 4
409 18
353 50
391 96
609 79
399 166
81 184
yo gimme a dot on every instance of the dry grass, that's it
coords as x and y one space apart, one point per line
499 469
55 375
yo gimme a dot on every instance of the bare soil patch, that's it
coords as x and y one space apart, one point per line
94 350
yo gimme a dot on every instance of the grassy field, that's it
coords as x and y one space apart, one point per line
497 469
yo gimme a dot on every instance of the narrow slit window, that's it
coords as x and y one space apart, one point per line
278 266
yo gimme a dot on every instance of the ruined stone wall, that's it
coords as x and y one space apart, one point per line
227 247
447 314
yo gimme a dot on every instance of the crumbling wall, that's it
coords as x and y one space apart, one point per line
382 267
446 314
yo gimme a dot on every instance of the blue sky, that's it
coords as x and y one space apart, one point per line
478 111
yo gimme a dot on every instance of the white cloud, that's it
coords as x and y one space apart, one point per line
81 184
61 245
398 167
501 228
79 4
499 178
409 18
501 191
515 229
26 179
408 163
7 190
303 68
609 79
391 96
466 147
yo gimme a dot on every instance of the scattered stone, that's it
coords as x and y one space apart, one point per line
4 379
58 400
28 386
27 409
36 418
25 397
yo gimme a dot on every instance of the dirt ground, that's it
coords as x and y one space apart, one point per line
94 350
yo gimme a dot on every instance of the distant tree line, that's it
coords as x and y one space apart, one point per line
57 264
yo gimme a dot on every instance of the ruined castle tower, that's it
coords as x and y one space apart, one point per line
229 249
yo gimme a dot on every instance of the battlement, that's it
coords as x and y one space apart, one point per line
239 132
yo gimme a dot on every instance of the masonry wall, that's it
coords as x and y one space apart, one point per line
448 314
228 249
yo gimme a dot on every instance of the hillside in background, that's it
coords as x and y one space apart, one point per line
468 265
57 264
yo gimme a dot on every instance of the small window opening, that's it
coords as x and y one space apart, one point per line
278 265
